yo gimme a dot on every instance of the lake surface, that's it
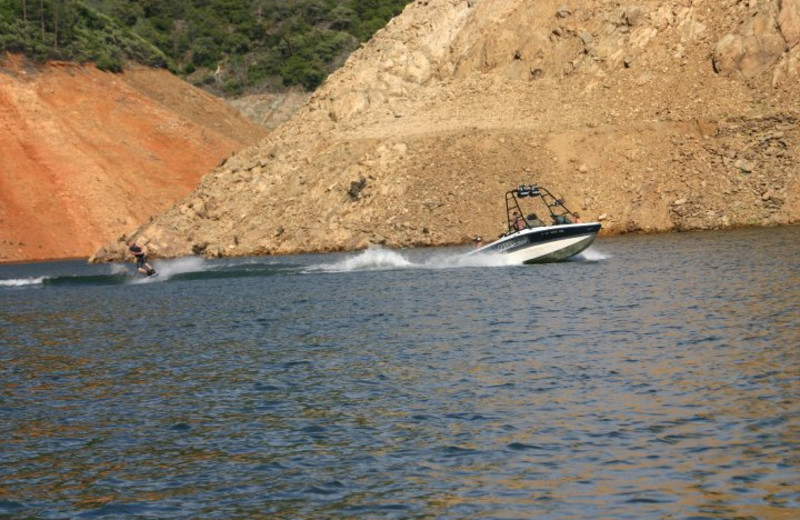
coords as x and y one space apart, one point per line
651 377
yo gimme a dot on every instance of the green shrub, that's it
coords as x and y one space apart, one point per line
297 71
105 61
262 43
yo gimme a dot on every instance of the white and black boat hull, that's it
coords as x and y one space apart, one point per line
544 244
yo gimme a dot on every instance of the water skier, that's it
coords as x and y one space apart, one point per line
141 259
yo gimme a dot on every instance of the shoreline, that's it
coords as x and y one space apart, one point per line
89 259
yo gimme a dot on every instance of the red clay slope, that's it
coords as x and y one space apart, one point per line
86 156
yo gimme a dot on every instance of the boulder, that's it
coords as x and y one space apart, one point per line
753 48
789 21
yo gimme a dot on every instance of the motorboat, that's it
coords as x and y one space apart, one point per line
530 239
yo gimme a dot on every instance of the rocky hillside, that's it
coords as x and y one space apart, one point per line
86 156
648 115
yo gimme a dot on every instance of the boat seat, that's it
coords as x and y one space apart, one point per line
534 221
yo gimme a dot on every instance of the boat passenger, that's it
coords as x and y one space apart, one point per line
518 222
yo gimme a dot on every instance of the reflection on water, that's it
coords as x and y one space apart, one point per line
656 378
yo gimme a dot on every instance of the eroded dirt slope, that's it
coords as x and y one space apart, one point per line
652 115
86 156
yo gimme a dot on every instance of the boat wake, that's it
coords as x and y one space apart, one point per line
22 282
592 255
195 268
373 259
382 259
191 268
170 268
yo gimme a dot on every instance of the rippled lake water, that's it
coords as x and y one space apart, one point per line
652 377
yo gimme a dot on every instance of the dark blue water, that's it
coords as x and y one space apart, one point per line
653 377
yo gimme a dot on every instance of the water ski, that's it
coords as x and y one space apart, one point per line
151 272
